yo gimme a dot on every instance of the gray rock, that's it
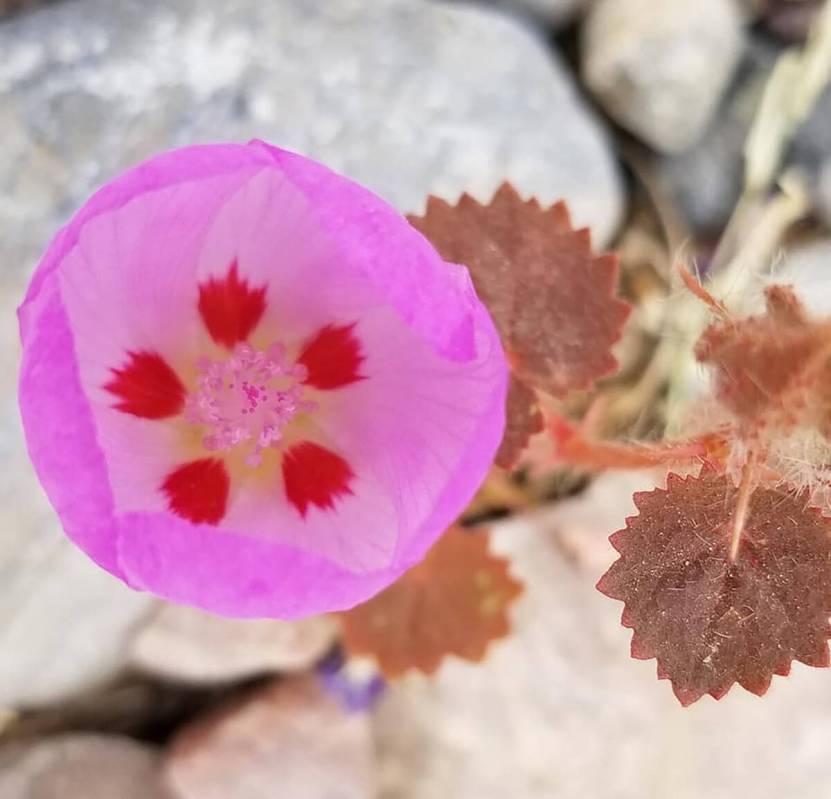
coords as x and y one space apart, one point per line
555 13
8 6
406 96
823 193
812 144
751 9
560 709
190 645
63 621
81 767
660 69
706 180
289 740
811 151
808 269
790 20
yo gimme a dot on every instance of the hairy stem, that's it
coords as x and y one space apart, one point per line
574 447
747 486
688 316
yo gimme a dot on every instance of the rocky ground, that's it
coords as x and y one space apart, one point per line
608 104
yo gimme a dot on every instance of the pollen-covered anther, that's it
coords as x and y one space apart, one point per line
247 400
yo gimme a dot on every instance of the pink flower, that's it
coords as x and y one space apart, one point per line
249 385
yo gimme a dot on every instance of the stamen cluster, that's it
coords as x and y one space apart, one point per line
249 398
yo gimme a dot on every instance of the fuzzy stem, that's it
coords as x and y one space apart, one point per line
694 286
576 449
746 488
689 316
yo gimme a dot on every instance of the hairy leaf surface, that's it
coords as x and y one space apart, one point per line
707 621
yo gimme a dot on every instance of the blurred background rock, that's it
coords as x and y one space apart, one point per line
634 111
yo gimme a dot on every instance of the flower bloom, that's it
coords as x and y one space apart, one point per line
249 385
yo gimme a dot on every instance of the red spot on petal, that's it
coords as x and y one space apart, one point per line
333 357
198 491
147 387
316 476
230 309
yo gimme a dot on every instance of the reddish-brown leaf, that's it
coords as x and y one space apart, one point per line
771 370
551 297
524 419
708 622
455 602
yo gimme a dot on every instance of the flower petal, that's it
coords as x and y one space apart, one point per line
270 230
253 577
234 161
145 299
316 476
408 427
230 308
61 432
234 574
124 276
146 386
431 298
333 357
198 491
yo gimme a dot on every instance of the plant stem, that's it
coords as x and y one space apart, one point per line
747 486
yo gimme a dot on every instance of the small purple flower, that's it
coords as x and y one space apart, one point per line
357 686
249 385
